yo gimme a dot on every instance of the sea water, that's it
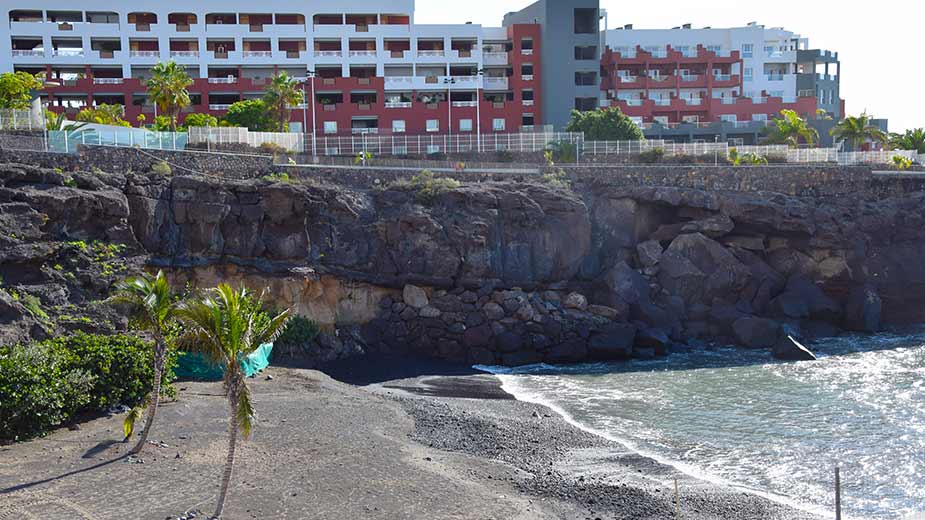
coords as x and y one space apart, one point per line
737 417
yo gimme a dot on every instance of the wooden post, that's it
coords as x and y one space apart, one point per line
677 500
837 493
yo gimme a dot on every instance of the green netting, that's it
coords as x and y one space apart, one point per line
193 365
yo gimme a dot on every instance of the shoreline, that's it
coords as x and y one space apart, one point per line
473 413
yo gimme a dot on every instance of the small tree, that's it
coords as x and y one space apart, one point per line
607 124
910 140
141 120
152 310
103 114
168 89
197 119
16 89
857 130
227 325
252 114
58 122
790 129
281 94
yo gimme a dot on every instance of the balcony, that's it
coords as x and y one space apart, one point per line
69 53
219 106
689 78
662 102
28 53
759 100
431 54
223 81
358 131
775 77
634 102
528 102
722 77
494 58
693 102
465 104
144 54
658 53
527 77
257 54
184 54
363 54
397 104
398 82
526 52
108 81
329 54
490 83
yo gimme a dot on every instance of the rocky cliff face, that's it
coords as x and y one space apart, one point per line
497 261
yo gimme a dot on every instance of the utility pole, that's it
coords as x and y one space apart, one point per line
311 76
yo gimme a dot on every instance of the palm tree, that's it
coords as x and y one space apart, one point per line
152 310
789 129
58 122
167 89
911 140
282 93
857 131
227 325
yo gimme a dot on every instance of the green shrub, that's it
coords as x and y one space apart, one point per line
276 177
652 156
161 168
429 187
272 148
299 332
43 385
556 177
902 163
197 120
34 307
562 152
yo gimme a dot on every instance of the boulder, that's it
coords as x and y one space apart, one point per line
568 352
605 312
789 349
626 284
615 342
493 311
480 336
713 227
653 338
804 299
649 253
481 356
414 296
755 332
521 358
576 301
510 342
429 311
699 269
863 310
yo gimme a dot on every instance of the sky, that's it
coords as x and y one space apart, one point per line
881 67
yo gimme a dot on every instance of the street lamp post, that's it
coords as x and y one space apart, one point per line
449 104
311 78
478 112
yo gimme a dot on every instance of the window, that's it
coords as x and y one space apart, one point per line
330 127
526 95
588 52
715 48
729 118
748 50
585 104
398 126
748 74
497 125
586 21
586 79
465 125
662 120
433 125
526 69
759 117
776 93
526 44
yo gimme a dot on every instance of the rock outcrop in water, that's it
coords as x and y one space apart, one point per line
623 271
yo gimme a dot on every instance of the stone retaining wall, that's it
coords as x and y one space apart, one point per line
509 327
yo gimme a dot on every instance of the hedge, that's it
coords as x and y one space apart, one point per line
44 385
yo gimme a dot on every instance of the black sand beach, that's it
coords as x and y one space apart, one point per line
440 441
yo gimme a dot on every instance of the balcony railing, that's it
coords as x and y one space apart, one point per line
693 101
495 83
430 54
526 52
662 102
689 77
108 81
528 102
184 54
69 52
329 54
464 104
363 54
358 131
635 102
658 53
722 77
397 104
28 52
494 57
219 106
728 100
144 54
223 81
628 79
775 77
257 54
527 77
759 100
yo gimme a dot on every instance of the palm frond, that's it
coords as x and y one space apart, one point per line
128 426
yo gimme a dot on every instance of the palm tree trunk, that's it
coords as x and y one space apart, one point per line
154 398
229 462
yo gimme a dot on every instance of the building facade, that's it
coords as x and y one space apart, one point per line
717 83
371 67
570 35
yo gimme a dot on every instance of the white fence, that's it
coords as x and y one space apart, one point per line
21 120
636 147
400 144
879 157
291 141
